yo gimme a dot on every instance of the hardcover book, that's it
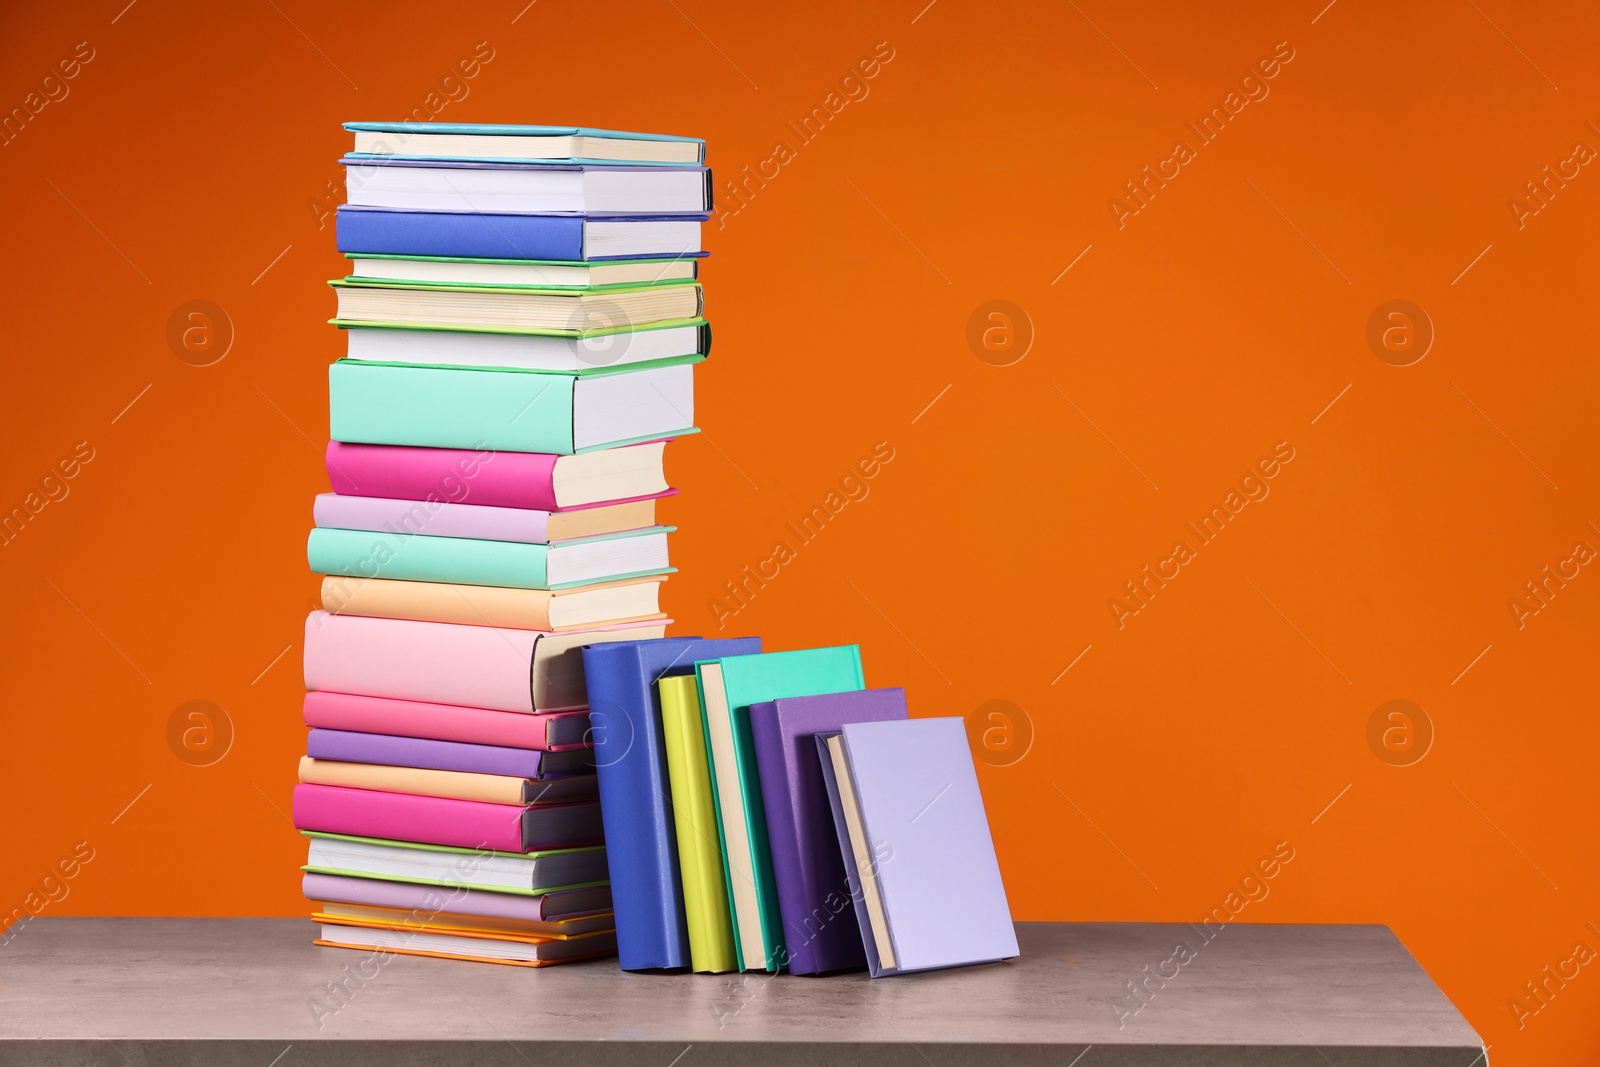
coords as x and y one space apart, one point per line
509 236
527 188
530 874
478 522
424 901
694 817
915 841
586 607
556 731
478 475
508 410
518 143
635 794
443 821
814 898
442 663
728 687
352 746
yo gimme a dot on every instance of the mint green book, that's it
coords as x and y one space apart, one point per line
467 561
728 687
512 410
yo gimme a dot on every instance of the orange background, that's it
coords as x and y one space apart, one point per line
1222 319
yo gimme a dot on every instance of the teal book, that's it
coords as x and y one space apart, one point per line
466 561
728 687
510 410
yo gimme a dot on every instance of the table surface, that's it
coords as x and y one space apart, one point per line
143 990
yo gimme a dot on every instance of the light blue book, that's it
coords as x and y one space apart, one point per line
915 841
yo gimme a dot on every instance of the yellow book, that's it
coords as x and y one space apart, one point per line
705 897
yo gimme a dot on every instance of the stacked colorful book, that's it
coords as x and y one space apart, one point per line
767 812
523 317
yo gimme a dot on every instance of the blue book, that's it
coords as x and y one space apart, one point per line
569 238
635 792
915 843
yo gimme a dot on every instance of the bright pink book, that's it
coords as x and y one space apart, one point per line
555 731
531 480
440 821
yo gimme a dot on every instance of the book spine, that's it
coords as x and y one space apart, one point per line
432 475
405 817
441 407
467 236
635 800
419 558
414 719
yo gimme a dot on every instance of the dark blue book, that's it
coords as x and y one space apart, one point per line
563 238
635 792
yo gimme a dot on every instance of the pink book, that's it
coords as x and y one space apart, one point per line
441 821
451 663
556 731
498 479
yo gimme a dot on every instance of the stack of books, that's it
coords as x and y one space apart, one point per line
523 317
767 812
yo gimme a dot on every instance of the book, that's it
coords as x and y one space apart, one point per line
443 663
428 900
635 796
508 410
552 731
477 475
492 347
566 312
520 273
531 873
569 144
526 188
450 922
445 821
634 600
351 746
517 949
915 842
479 522
509 564
814 897
453 785
705 896
501 236
728 687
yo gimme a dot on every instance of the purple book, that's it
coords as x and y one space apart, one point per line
429 900
819 921
393 751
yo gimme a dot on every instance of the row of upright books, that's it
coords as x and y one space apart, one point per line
522 317
767 812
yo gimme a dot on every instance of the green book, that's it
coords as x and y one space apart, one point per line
705 895
467 561
728 687
525 873
512 410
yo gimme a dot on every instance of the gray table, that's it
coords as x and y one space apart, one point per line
257 992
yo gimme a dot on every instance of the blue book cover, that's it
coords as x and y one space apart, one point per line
635 792
461 235
915 842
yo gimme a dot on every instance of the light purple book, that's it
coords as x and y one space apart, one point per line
819 923
394 751
435 518
933 866
456 900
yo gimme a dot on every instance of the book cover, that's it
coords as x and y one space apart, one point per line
819 922
467 561
425 901
545 610
465 475
728 687
444 821
397 751
555 731
454 785
635 792
500 410
910 790
446 663
482 235
694 817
